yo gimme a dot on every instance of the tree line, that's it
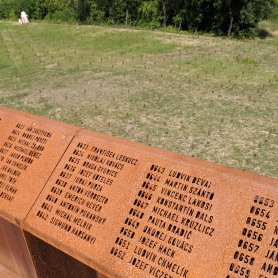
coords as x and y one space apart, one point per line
223 17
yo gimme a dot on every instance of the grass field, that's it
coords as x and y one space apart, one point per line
204 96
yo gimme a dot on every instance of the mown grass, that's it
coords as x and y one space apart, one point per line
204 96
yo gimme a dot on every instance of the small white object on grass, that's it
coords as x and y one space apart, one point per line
24 18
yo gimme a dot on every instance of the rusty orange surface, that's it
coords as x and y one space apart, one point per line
30 148
128 210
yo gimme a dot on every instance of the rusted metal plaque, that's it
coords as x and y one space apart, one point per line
30 148
133 211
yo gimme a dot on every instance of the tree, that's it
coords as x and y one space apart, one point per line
149 12
9 9
109 9
82 10
224 17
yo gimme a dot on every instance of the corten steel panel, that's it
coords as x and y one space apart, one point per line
15 259
30 148
52 262
129 210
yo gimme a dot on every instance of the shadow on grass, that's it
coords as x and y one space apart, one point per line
263 33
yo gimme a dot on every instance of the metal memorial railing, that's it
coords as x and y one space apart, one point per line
75 203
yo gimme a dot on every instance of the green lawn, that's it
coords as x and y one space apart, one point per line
204 96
